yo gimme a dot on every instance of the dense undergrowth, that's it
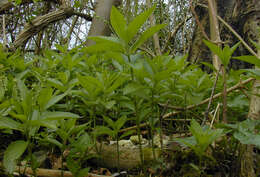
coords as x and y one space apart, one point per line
63 103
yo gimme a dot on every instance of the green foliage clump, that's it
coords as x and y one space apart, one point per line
60 98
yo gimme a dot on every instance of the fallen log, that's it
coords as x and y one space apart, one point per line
42 172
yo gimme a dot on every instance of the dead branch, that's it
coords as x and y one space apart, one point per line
41 22
235 87
48 172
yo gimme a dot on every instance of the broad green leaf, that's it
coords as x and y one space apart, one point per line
55 83
53 141
23 89
90 83
147 34
9 123
117 83
109 104
201 80
54 100
44 97
111 42
13 152
249 59
214 48
104 47
58 115
137 23
132 87
120 122
110 122
248 138
64 76
127 134
101 130
118 23
51 124
255 72
21 117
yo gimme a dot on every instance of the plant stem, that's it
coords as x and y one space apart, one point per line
118 153
224 95
139 134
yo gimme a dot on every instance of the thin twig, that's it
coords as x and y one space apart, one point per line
215 115
211 97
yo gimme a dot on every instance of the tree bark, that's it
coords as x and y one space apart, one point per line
251 30
99 26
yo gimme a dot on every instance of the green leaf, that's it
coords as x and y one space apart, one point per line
13 152
132 87
109 104
55 83
232 50
214 48
247 138
147 34
18 2
209 65
54 100
58 115
44 96
249 59
110 122
101 130
8 123
255 72
226 56
120 122
118 23
137 23
105 44
51 124
83 172
89 82
54 141
127 134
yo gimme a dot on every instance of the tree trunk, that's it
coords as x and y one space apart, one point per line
244 17
99 26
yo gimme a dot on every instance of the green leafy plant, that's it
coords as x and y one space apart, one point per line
65 135
202 138
79 153
126 32
27 117
224 55
113 131
246 132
